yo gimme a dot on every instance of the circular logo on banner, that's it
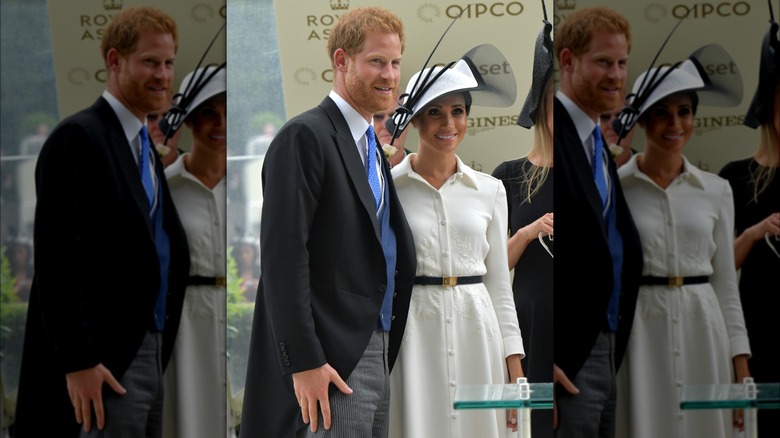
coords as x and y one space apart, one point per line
201 12
78 76
305 76
654 12
427 12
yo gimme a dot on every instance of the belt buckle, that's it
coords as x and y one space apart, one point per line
449 281
221 281
675 281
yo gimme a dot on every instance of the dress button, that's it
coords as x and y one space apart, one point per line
443 222
445 254
449 320
452 383
452 352
454 415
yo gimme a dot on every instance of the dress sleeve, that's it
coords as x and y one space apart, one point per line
497 278
724 277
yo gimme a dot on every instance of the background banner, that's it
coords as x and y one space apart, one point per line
493 135
78 25
738 26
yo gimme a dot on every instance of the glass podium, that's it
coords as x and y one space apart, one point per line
749 396
521 395
508 396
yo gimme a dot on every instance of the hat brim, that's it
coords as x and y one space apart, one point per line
197 87
721 88
487 86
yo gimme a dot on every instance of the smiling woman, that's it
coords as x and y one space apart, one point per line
196 402
462 326
685 219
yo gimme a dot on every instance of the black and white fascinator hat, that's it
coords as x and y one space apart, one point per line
543 69
713 88
474 73
768 76
199 85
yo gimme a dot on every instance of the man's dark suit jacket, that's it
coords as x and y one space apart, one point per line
97 273
582 254
323 269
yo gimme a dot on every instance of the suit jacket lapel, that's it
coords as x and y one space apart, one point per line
119 148
352 162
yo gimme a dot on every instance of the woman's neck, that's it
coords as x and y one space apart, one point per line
661 167
436 168
208 166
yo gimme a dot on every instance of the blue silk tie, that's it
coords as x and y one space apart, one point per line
598 166
143 164
373 177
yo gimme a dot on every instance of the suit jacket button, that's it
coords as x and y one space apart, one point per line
382 288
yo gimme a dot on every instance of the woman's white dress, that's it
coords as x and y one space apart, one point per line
454 335
195 401
681 335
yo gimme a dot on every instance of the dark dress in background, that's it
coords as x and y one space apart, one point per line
758 280
533 281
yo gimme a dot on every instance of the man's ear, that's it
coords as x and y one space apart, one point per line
113 59
340 58
566 59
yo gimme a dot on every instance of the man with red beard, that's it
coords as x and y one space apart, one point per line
111 257
337 254
596 242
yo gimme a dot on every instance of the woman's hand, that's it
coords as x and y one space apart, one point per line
741 371
520 240
515 368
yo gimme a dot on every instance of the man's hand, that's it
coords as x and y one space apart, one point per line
560 378
85 388
311 388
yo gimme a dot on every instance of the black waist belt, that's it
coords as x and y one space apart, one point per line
197 280
447 281
674 281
